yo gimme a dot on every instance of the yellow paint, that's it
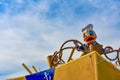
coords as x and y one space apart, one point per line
18 78
89 67
106 70
79 69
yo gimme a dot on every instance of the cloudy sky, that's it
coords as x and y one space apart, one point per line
32 29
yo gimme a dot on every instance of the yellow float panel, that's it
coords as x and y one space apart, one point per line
89 67
106 70
18 78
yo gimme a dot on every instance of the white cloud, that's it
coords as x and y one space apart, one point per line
26 39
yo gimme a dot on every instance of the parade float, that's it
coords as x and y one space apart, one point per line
93 63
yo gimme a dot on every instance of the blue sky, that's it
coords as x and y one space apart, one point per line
32 29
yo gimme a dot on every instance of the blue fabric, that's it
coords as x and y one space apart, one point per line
82 47
43 75
95 42
86 46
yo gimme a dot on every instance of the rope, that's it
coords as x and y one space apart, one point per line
57 56
108 50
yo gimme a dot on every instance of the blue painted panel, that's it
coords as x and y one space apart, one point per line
43 75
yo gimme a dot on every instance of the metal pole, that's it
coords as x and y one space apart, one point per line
26 68
34 69
71 54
